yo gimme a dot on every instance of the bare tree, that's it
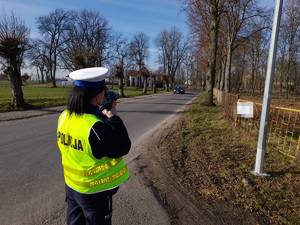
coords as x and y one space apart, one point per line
119 73
203 18
161 42
291 37
194 71
240 64
138 50
39 59
52 27
144 72
88 40
282 49
173 47
154 76
119 58
236 14
257 49
14 38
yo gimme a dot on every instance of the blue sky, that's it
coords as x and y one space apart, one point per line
127 16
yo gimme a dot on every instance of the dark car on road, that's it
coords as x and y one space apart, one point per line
179 90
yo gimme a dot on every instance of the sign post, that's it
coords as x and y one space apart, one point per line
258 170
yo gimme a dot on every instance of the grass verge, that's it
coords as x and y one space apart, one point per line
213 160
38 96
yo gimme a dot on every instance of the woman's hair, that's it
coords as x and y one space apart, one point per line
80 98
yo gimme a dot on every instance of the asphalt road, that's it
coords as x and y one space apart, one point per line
31 181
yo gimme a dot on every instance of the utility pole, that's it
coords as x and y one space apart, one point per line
261 146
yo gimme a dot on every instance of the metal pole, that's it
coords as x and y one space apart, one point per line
258 171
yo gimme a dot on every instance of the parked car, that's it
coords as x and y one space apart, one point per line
179 90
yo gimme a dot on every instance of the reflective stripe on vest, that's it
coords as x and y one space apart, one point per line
83 172
95 170
101 181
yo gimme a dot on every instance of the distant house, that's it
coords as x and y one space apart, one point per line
134 76
25 77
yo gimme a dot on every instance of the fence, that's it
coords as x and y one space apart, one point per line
283 124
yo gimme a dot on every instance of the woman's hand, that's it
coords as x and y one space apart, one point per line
112 112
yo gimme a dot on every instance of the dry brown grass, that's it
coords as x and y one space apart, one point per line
213 161
278 99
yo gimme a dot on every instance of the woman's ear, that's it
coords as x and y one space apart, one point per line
100 97
97 98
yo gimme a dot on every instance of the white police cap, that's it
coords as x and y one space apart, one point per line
89 77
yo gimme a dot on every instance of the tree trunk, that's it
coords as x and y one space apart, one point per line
54 82
228 69
288 77
240 79
166 86
281 73
253 83
145 85
296 82
17 99
53 77
172 81
210 75
222 82
154 85
120 86
219 80
138 83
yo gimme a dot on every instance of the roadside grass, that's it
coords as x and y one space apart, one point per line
35 96
278 99
43 95
213 160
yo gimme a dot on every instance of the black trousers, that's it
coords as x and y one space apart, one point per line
89 209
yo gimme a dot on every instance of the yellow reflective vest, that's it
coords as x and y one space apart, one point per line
82 171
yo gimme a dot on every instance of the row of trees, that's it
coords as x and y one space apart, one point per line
230 41
73 40
288 64
227 49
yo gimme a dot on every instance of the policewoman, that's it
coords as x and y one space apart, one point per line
92 144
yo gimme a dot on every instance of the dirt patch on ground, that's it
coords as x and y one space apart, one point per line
183 206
